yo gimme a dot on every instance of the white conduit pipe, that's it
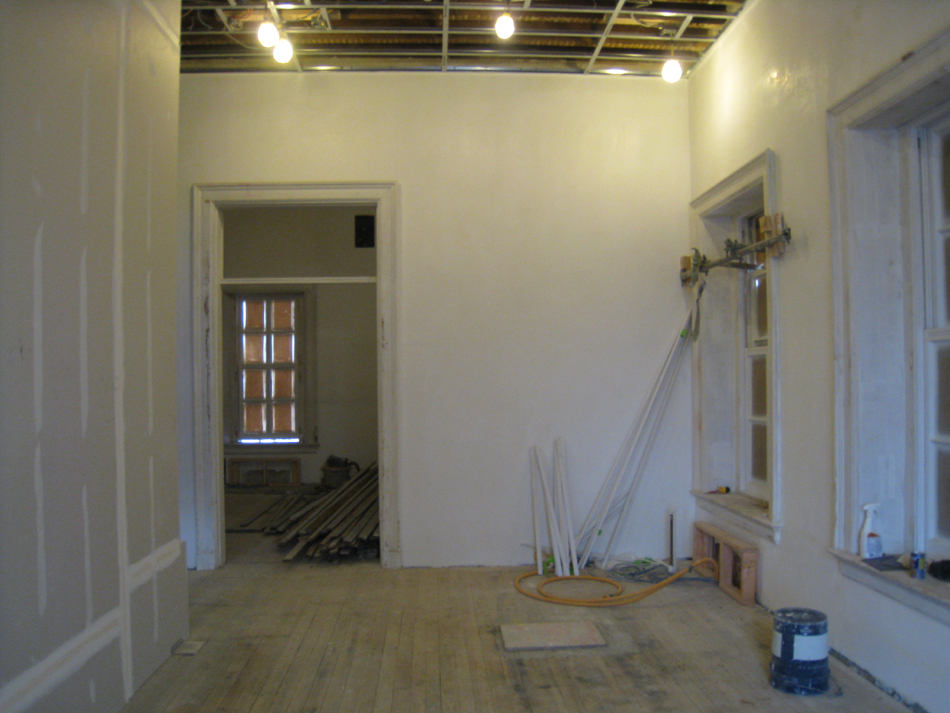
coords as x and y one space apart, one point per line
621 464
549 508
653 422
643 448
666 389
560 472
534 521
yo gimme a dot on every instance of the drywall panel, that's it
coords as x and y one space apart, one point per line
767 84
79 95
91 689
148 285
540 224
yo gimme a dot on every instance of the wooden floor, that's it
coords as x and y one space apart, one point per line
303 637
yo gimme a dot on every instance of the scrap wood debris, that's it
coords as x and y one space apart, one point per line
332 525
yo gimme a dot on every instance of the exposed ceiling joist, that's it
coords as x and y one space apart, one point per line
568 36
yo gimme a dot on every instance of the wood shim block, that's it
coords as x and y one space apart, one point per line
188 647
738 560
551 635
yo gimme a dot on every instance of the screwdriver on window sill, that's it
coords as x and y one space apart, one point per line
720 489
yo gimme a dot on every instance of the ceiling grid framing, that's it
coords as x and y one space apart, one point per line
603 37
445 34
633 37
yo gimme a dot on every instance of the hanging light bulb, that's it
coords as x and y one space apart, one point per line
505 26
267 34
283 51
672 71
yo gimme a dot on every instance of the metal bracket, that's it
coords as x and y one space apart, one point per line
692 266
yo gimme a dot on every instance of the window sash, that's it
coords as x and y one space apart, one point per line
268 363
935 158
756 431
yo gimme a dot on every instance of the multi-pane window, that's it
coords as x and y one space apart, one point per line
268 368
937 348
755 369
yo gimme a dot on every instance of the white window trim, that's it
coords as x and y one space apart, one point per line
748 190
878 123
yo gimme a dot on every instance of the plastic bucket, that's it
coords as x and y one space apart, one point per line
335 477
800 652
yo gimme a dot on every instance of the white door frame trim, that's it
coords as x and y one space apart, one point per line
207 277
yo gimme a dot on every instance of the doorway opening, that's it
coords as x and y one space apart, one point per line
230 268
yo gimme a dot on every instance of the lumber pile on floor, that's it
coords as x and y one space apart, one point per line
339 524
319 522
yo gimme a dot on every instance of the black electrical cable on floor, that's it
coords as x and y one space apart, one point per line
646 572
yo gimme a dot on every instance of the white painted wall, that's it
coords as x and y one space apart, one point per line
540 224
768 85
92 576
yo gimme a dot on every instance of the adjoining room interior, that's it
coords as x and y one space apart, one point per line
709 316
298 364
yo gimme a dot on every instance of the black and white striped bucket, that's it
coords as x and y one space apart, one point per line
800 652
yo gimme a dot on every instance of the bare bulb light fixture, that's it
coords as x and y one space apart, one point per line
267 34
505 26
283 51
672 71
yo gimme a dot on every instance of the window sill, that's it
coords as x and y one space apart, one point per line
928 596
742 510
270 449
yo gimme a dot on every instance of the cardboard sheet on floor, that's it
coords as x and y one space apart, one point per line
551 635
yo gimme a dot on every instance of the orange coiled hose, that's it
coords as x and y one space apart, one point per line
607 600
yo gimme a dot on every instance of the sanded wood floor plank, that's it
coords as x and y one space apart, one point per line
366 669
307 637
329 602
329 678
508 692
379 698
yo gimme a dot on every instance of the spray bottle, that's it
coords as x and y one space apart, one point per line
869 544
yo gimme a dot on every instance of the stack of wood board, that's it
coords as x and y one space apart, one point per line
340 524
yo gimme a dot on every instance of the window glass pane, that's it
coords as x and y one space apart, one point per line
253 418
283 383
283 348
945 283
759 390
284 418
283 315
759 469
943 390
945 192
253 317
758 310
253 349
253 384
943 493
761 307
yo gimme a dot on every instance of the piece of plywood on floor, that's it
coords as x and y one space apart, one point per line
551 635
188 647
